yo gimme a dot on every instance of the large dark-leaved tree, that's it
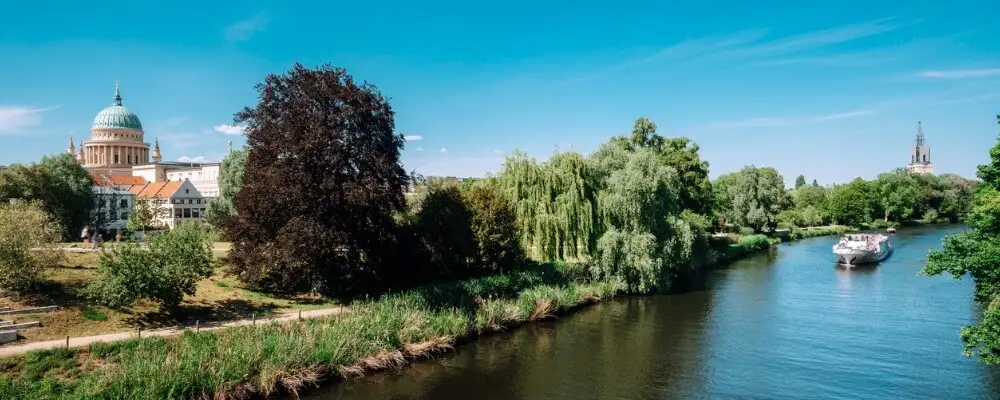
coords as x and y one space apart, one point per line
322 182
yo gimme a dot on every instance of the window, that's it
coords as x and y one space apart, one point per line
124 216
124 203
195 213
178 213
116 159
190 201
187 213
187 191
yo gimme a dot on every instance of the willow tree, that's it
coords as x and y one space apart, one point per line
555 203
645 243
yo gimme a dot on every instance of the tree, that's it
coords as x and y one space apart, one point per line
321 184
800 181
230 182
25 227
854 203
756 195
815 184
443 223
60 183
976 252
494 224
897 194
167 270
146 215
681 154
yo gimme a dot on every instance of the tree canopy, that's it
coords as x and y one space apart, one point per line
321 184
230 182
59 183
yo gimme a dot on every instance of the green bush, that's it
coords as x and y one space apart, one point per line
26 234
167 270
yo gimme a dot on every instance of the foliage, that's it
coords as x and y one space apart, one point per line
854 203
976 252
230 182
898 193
494 224
800 181
645 243
756 195
555 204
322 184
443 223
60 183
26 233
167 270
146 215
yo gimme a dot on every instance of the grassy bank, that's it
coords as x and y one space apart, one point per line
252 360
375 335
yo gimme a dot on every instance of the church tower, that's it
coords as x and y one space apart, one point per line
920 154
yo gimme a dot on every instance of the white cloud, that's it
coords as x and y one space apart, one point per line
845 115
13 119
443 150
412 138
244 30
198 159
778 122
961 73
228 129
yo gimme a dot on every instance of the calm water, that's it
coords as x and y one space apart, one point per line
785 325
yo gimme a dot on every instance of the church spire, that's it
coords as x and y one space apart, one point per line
156 151
118 96
920 134
70 149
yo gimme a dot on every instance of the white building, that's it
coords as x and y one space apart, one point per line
117 147
173 202
112 206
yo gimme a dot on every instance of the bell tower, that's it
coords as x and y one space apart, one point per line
920 154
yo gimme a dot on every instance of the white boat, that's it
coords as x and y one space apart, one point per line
862 248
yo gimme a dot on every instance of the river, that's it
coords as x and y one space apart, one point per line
788 324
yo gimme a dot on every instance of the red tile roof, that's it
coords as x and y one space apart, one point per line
155 189
117 180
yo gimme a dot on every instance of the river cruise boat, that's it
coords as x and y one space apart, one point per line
862 248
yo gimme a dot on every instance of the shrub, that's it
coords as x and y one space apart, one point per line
494 225
26 233
443 224
164 272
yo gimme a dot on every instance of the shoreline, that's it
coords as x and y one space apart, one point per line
296 356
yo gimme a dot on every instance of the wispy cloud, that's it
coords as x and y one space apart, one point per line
14 119
752 44
412 138
969 99
245 29
420 149
443 150
228 129
961 73
780 122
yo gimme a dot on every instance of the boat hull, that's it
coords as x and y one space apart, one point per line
848 254
860 257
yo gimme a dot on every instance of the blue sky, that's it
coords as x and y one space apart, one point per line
829 91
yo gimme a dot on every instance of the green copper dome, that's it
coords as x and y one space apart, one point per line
117 116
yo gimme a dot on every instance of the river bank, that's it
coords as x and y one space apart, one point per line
376 335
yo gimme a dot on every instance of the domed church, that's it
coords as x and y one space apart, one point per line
117 149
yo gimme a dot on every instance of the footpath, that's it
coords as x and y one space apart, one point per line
84 341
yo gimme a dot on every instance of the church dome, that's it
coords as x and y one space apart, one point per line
117 116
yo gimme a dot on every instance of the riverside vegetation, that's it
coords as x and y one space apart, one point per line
638 216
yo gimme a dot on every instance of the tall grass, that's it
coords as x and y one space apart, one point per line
263 359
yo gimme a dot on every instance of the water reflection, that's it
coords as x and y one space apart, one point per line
779 325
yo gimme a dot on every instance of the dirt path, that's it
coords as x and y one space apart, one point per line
114 337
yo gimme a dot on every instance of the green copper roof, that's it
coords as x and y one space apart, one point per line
117 116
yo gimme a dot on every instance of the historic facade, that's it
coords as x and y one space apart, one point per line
117 147
920 154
